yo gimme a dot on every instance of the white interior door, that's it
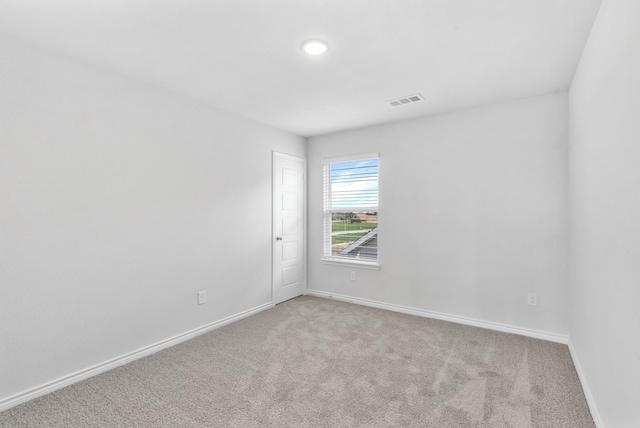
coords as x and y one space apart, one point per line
288 227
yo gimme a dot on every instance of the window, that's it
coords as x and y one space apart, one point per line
351 210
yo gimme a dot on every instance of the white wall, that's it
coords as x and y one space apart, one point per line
472 213
605 214
118 202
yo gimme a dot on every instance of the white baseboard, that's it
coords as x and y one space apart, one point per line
78 376
585 387
552 337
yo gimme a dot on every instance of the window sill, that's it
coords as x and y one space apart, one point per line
352 263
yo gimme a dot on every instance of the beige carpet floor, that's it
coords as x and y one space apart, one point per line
314 362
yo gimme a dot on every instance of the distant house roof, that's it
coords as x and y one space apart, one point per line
367 218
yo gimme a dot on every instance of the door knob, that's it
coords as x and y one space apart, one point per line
278 238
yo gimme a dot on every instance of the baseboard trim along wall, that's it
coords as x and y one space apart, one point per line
552 337
124 359
585 387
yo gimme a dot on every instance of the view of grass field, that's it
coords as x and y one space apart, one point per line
352 237
357 230
343 226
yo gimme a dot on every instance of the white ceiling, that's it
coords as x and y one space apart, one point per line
244 56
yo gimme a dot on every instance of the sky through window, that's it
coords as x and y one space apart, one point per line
354 185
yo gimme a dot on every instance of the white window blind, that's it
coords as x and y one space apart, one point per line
351 208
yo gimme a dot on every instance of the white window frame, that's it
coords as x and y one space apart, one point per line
328 211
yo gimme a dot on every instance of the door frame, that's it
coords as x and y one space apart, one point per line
275 156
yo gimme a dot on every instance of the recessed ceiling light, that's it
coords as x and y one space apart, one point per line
315 47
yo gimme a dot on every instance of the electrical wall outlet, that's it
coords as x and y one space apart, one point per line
353 276
532 299
202 297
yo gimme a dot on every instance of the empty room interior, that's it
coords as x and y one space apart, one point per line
320 213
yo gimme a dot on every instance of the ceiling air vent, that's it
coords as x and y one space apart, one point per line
405 100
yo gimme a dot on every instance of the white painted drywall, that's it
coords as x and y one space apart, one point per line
245 55
118 203
604 208
472 213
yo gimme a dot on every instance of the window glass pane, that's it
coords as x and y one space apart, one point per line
354 235
354 184
351 209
